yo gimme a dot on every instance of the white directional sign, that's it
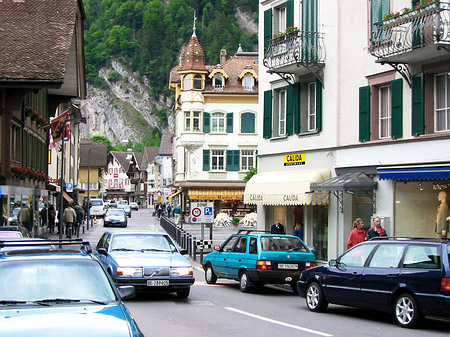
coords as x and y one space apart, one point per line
202 212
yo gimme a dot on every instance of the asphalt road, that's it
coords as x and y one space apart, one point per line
222 310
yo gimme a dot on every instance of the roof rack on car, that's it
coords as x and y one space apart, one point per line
248 231
84 245
406 238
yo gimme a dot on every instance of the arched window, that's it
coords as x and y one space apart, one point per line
248 82
248 122
187 82
198 82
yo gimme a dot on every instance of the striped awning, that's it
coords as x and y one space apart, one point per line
216 193
286 188
175 194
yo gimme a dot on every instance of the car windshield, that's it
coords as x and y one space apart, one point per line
145 242
116 212
283 244
124 207
39 280
96 203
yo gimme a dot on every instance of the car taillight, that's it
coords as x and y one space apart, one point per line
445 284
310 265
263 265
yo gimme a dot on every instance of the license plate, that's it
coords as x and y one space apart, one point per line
287 266
157 283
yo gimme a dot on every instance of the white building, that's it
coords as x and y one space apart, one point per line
363 103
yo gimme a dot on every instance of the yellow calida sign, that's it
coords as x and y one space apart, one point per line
294 159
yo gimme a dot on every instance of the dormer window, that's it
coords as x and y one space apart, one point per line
198 82
218 82
248 82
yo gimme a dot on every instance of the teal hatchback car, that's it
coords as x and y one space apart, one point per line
256 258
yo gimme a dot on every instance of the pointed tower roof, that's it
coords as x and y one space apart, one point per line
193 56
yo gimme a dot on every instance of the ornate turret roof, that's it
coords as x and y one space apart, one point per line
193 56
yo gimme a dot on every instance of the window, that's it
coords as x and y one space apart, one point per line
198 82
279 125
187 82
248 82
384 112
357 256
312 106
378 9
422 257
16 143
247 160
192 121
217 160
228 246
218 82
387 256
218 122
442 105
248 122
241 247
279 19
253 247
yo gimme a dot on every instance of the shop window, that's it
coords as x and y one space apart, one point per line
320 232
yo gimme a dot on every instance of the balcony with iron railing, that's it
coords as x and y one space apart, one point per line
417 35
295 54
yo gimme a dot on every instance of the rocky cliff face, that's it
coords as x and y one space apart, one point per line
123 110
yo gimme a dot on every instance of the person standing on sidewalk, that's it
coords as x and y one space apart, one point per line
177 211
69 217
358 234
24 217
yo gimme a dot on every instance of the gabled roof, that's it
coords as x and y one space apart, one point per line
151 152
36 38
121 158
138 156
166 146
92 154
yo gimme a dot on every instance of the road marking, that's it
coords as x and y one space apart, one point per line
278 322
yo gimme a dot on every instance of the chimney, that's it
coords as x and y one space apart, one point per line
223 56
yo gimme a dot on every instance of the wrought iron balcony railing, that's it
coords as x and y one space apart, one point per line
394 39
304 48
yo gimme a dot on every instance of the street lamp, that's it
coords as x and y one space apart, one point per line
61 197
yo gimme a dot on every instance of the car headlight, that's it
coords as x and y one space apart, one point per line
106 218
181 271
130 272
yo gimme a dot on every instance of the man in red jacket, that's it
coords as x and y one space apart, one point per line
358 234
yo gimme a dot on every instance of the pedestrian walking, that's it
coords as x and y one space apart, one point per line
24 217
69 217
158 210
169 210
376 230
358 234
44 216
51 218
177 212
79 221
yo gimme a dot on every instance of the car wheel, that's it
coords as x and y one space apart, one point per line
294 288
315 300
183 293
210 276
406 311
244 282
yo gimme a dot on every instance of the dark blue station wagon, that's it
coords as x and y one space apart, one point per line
404 276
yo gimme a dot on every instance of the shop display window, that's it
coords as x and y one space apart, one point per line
320 232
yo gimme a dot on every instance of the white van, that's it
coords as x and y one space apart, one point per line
97 208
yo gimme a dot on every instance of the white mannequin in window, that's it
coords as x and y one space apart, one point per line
442 214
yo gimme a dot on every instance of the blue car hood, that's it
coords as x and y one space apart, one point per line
90 320
160 259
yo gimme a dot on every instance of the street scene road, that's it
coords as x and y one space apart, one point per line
222 310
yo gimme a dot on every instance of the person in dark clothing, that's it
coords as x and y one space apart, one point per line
169 210
277 228
79 221
51 218
44 216
376 230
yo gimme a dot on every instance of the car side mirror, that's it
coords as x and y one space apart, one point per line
217 247
333 263
102 251
183 251
126 292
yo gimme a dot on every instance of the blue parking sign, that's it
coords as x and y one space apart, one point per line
69 187
208 210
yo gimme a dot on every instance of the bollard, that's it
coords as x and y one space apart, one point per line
195 249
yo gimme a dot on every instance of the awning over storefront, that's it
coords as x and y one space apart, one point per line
347 182
415 173
216 193
67 197
175 194
286 188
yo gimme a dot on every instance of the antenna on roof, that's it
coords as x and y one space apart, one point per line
195 19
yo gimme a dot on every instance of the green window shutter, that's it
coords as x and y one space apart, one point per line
256 158
236 158
397 108
230 122
289 13
318 105
248 122
206 122
378 9
267 28
290 110
364 114
418 105
206 160
267 131
230 160
296 106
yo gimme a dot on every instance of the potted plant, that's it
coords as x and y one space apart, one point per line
235 221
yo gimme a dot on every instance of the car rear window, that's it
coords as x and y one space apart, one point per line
282 244
422 257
